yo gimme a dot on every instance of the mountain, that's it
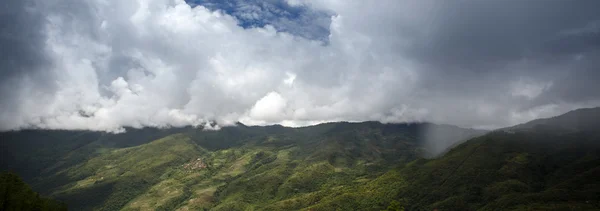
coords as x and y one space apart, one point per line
148 167
549 164
585 119
545 164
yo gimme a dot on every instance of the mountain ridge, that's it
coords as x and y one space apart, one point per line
575 120
365 166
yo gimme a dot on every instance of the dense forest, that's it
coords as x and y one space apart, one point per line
549 164
15 195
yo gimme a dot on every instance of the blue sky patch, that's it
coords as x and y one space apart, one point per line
298 20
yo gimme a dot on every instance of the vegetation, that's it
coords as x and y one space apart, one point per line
16 195
501 171
333 166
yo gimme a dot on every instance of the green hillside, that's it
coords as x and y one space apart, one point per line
533 170
114 177
333 166
15 195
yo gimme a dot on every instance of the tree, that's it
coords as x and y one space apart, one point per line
395 206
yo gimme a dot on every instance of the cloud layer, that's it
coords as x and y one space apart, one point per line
103 64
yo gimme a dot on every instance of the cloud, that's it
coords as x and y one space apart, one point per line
269 108
104 65
529 89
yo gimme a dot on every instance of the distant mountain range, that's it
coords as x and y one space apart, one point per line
545 164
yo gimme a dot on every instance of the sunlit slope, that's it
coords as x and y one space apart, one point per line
114 177
35 153
321 167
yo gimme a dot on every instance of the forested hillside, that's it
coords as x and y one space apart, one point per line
333 166
15 195
235 167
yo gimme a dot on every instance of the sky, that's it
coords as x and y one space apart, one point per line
108 64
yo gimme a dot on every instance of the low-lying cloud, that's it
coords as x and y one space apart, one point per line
104 64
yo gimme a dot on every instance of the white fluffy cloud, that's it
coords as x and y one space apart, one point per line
269 108
163 63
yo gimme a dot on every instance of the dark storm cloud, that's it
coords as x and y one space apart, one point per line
105 64
579 81
476 47
22 52
21 38
467 34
